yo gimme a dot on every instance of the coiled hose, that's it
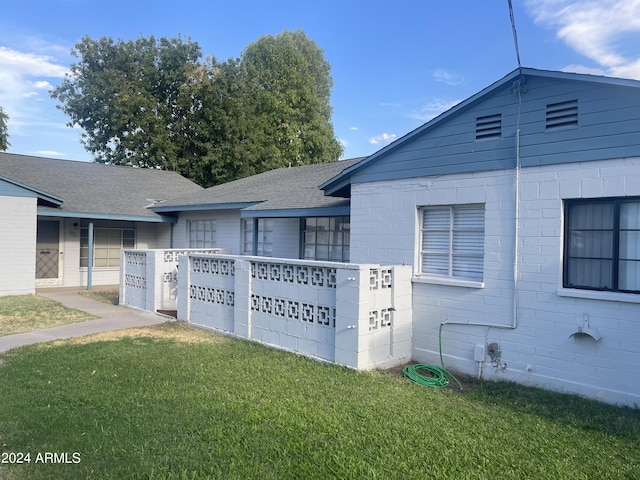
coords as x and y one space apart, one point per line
438 376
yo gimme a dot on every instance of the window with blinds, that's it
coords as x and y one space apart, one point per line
452 241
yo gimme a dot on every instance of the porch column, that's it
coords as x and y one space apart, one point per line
90 259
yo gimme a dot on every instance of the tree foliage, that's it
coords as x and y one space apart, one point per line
4 132
126 96
153 103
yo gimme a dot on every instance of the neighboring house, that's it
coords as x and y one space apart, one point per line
280 213
57 214
519 210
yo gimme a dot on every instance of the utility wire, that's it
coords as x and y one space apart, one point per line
515 33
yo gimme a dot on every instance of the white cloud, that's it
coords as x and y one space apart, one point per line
447 77
49 153
19 88
576 68
354 129
30 64
598 29
383 138
43 85
433 109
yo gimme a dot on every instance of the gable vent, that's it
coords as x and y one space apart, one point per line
489 127
563 114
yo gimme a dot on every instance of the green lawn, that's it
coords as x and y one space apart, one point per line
25 313
178 403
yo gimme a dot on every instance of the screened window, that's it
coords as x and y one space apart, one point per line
602 244
107 243
326 238
264 246
452 241
201 233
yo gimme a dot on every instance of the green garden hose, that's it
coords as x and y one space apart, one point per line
438 376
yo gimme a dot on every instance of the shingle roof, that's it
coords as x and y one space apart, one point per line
280 189
96 189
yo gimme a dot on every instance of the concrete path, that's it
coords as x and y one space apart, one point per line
111 317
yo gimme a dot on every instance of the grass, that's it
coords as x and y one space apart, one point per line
111 297
25 313
170 402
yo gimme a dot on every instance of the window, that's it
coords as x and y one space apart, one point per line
264 246
326 238
452 241
107 242
201 233
602 244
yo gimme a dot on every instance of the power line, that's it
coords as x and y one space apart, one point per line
515 33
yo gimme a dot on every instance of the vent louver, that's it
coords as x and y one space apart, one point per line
562 115
489 127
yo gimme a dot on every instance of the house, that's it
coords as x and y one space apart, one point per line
58 213
519 210
279 213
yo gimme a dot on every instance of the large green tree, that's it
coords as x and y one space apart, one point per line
127 96
4 132
154 104
287 95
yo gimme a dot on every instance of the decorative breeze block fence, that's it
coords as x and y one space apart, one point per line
149 278
349 314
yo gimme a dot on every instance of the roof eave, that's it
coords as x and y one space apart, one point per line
107 216
342 180
201 207
334 211
42 195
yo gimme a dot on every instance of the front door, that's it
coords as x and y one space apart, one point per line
48 252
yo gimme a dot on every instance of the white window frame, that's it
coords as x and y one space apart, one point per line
264 246
452 244
201 233
107 243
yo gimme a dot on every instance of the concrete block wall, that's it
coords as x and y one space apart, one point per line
149 278
18 245
541 350
228 229
319 309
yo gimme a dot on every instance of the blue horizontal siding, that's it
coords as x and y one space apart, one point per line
608 127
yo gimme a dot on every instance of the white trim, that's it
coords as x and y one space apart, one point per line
451 281
598 295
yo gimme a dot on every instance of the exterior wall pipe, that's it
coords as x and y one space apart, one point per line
516 241
516 313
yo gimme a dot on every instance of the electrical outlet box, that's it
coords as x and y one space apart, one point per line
478 353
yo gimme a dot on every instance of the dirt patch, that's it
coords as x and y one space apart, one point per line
166 331
468 382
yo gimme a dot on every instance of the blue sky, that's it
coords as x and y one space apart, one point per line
395 64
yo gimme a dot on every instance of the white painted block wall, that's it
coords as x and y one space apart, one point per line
17 245
286 231
541 350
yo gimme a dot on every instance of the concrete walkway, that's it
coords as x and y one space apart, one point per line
111 317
